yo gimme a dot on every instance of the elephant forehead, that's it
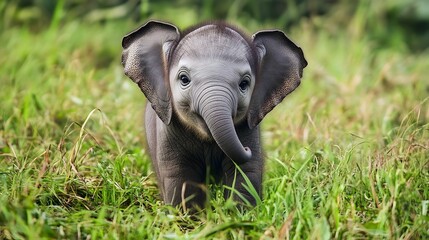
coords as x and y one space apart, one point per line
213 41
214 68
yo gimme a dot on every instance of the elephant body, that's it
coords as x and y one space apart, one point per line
196 160
208 89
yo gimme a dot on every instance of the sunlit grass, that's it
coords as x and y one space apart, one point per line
347 153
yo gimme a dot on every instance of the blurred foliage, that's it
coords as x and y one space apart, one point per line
45 10
409 18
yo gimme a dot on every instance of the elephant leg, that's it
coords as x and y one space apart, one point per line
234 178
182 185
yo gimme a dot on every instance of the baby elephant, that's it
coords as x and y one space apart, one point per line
209 87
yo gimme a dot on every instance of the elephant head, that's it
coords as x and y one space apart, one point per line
212 77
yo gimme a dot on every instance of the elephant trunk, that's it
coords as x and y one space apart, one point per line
217 106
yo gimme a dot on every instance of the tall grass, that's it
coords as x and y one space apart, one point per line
347 153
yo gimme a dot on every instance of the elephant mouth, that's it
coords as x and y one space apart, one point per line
193 122
201 128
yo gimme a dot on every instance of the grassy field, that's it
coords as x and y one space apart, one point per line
347 152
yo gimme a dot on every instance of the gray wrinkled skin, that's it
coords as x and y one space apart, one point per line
208 90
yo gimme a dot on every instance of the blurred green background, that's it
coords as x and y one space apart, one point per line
407 18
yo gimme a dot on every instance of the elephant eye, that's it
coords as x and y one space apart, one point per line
184 79
244 85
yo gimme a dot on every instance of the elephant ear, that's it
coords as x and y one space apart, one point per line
144 58
281 64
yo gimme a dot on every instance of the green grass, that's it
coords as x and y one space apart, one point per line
347 153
